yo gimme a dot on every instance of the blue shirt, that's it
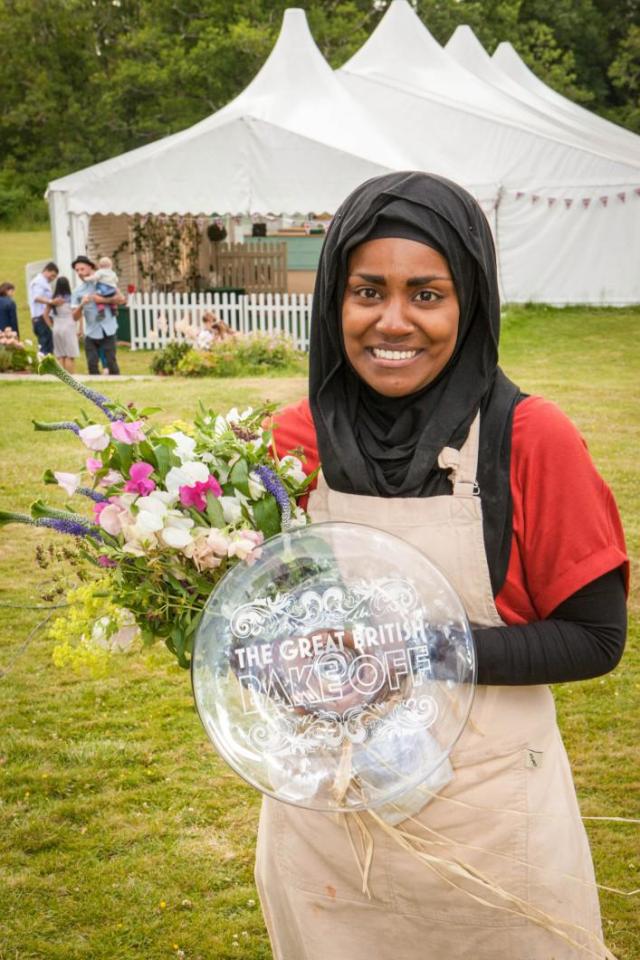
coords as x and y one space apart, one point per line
39 287
96 325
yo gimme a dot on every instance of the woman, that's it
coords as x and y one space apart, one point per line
421 434
8 310
65 332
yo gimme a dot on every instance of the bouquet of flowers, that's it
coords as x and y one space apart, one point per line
171 509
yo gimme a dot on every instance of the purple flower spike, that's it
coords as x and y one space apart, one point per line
92 494
273 485
71 527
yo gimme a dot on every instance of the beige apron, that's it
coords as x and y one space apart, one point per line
516 819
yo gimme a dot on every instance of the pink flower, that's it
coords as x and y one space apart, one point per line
105 561
195 495
110 477
127 432
93 464
139 481
110 515
98 508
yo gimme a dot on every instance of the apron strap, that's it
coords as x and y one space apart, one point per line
463 464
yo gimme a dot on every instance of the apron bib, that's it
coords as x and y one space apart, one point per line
510 811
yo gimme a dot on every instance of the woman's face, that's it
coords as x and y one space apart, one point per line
399 315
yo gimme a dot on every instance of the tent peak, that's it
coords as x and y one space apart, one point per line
401 37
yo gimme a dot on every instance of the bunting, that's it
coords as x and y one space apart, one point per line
603 200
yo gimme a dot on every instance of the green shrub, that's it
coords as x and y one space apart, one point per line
166 360
14 359
254 355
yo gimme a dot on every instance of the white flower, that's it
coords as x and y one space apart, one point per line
157 521
185 445
231 509
185 476
256 486
232 415
68 481
94 436
293 468
28 343
175 532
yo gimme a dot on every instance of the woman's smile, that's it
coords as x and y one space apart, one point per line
400 315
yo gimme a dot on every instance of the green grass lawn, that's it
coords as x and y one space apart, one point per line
122 835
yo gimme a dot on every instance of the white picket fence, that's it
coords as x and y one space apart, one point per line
154 316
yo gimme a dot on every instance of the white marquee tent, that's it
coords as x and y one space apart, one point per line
294 140
564 202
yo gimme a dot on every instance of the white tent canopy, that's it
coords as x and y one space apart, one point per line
512 66
564 202
467 50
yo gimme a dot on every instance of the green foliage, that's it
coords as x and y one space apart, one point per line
254 355
624 73
165 361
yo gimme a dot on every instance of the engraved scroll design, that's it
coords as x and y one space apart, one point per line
315 609
284 734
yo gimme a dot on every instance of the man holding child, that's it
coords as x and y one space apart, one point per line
99 310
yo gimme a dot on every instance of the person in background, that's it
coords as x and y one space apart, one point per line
8 309
99 331
40 296
65 335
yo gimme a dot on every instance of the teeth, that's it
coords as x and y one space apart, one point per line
394 354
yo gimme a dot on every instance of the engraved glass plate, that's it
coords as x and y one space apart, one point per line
337 671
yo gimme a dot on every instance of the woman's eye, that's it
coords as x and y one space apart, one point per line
427 296
367 293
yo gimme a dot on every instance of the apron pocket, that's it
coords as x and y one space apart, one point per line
493 843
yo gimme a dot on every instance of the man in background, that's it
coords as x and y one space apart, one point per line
40 296
100 329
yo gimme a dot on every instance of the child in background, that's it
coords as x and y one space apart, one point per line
106 281
65 334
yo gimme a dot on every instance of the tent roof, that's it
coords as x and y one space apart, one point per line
467 50
511 66
456 123
294 116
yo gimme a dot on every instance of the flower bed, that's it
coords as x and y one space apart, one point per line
15 354
255 354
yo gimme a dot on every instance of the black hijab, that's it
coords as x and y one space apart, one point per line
374 445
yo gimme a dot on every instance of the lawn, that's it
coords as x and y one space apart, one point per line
122 835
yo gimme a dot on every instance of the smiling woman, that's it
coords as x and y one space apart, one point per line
399 315
420 434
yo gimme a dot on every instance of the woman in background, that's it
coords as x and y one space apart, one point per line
65 332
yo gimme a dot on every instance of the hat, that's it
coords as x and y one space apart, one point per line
83 259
